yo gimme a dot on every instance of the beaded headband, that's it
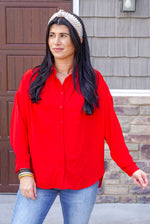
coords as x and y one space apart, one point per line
71 18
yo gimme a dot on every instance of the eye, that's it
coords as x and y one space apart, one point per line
63 35
51 35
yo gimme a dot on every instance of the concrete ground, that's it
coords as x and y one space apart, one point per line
101 214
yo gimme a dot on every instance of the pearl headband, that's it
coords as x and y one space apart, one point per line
71 18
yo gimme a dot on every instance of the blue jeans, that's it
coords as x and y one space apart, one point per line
77 205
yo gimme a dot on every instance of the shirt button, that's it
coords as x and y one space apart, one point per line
62 92
61 106
61 136
61 122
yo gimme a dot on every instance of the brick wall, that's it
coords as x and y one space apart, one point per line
134 117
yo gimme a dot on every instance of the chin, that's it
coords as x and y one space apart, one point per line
58 57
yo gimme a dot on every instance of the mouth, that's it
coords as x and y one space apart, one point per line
57 49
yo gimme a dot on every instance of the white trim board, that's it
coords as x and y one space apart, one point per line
130 92
76 7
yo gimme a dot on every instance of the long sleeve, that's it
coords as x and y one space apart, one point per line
114 137
19 130
58 142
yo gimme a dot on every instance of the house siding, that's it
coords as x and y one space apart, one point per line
119 42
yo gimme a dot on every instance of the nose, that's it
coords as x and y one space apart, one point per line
57 40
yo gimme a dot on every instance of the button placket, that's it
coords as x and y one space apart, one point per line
61 121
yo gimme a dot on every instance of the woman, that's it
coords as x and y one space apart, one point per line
62 113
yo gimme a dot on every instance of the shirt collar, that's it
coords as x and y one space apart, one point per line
55 72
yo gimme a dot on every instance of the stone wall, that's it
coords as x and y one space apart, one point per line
134 116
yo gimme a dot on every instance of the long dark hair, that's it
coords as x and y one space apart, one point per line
82 66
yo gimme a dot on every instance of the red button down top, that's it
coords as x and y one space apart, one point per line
63 145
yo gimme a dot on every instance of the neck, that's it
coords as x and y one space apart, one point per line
64 67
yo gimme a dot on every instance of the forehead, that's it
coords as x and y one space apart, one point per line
59 29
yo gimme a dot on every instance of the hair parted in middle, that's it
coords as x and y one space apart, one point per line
82 66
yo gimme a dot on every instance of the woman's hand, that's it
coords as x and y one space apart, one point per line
28 187
140 178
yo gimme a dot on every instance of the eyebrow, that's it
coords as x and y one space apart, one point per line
60 33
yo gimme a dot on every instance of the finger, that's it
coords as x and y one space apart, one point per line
26 192
29 192
34 190
23 194
136 181
144 176
141 180
31 195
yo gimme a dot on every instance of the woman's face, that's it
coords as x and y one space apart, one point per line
60 43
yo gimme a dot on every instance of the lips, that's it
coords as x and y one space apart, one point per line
57 49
